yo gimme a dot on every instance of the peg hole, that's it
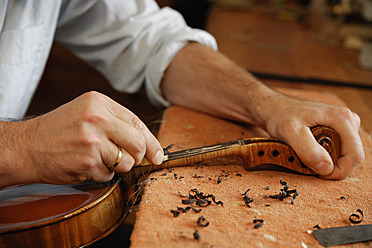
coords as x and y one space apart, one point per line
261 153
275 153
291 159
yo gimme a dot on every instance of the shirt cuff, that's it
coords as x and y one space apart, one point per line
159 63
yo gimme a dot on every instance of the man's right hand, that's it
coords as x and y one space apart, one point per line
74 143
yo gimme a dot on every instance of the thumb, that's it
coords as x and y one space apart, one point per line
310 152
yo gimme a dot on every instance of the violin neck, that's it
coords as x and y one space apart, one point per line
256 152
196 155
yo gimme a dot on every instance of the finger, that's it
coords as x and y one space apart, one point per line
352 154
93 165
356 121
130 139
101 173
153 149
121 161
310 152
126 163
345 166
138 142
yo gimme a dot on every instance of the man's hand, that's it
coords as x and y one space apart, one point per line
75 142
290 120
226 90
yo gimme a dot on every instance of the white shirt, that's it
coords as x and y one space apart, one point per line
131 42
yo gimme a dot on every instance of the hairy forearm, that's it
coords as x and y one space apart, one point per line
202 79
13 153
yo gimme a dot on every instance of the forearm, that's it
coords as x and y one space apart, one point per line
13 153
205 80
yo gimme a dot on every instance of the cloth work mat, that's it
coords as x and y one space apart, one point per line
325 203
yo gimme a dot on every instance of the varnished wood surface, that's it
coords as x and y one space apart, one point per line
260 42
41 215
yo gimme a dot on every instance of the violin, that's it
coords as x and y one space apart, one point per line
43 215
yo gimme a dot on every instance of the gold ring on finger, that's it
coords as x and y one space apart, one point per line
118 159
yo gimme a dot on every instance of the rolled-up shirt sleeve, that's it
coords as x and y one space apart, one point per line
130 42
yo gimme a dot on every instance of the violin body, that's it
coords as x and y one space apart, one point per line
44 215
41 215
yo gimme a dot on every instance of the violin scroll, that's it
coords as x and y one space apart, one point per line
329 140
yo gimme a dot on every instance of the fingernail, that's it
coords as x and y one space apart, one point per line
324 168
159 157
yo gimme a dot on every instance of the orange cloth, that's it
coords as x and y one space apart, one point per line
285 225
